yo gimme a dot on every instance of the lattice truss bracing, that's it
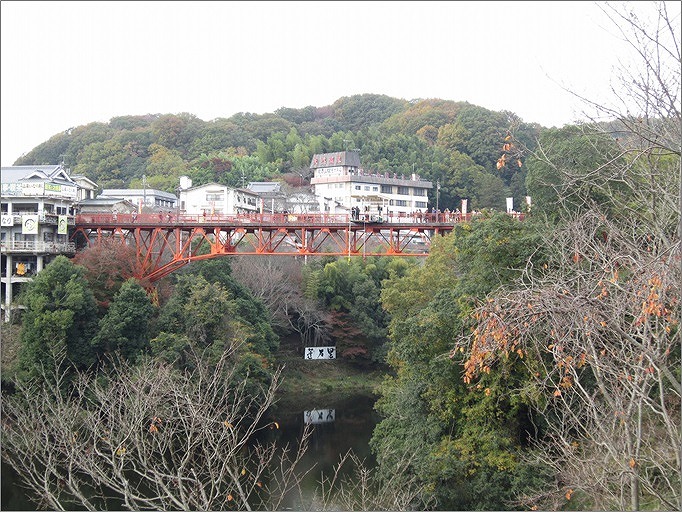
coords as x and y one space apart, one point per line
163 248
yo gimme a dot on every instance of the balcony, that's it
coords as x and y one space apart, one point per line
44 218
22 247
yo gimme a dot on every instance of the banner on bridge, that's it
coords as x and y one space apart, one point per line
320 353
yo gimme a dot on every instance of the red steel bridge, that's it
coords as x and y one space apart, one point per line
164 242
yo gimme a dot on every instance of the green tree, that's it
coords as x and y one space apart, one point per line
60 318
102 161
212 315
361 110
467 438
164 168
124 328
351 290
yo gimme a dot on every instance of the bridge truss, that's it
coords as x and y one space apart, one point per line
164 243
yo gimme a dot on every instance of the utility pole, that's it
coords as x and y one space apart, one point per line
144 190
437 194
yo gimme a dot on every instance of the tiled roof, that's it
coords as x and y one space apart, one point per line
103 201
39 172
136 192
260 187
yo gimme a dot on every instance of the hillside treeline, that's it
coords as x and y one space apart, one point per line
455 143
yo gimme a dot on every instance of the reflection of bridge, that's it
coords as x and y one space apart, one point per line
165 242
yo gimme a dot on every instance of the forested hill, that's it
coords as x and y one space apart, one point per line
456 143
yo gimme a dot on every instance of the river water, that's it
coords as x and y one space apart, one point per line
338 424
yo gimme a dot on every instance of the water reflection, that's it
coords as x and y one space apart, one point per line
349 427
354 420
14 496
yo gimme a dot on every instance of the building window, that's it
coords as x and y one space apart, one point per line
420 204
401 202
375 189
358 187
386 189
212 196
419 192
403 191
367 187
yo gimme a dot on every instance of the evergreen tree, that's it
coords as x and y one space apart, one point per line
124 328
60 319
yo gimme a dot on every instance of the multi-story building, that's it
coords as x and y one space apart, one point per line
340 184
36 211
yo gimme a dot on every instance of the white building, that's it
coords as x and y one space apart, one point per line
213 198
36 211
340 183
87 189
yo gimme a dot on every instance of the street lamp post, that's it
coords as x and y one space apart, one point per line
437 194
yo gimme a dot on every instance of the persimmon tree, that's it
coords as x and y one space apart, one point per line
599 331
149 437
598 326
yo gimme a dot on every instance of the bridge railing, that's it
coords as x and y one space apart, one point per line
269 218
213 218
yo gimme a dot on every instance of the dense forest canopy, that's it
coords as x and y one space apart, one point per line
455 143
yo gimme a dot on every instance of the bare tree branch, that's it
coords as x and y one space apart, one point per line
148 437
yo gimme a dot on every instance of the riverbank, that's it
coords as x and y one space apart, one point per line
339 377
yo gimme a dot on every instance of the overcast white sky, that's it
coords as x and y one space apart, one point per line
66 64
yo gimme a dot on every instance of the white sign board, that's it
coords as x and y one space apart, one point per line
63 225
320 353
29 224
319 416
